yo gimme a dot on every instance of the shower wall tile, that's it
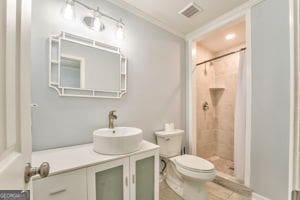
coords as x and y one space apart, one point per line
206 119
225 117
207 150
225 144
226 75
215 127
230 63
225 137
225 151
206 135
226 65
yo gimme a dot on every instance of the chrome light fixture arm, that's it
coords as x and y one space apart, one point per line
119 21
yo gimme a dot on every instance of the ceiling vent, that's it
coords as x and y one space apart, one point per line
191 10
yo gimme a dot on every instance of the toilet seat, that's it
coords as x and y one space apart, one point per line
194 164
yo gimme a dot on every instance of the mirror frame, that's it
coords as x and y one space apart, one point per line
55 65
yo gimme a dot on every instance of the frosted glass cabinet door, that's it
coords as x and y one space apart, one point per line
144 176
109 181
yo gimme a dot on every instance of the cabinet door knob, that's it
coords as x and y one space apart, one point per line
30 171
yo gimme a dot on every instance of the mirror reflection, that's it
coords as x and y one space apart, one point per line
86 67
82 67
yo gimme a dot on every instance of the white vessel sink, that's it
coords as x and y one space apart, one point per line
120 140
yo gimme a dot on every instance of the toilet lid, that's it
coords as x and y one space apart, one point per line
194 163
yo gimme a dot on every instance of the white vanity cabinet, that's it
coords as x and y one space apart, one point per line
132 178
65 186
78 173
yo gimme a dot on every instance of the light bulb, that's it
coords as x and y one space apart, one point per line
120 31
194 52
230 36
97 24
68 11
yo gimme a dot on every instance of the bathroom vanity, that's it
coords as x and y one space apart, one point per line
79 173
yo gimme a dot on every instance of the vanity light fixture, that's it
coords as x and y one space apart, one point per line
68 11
120 30
94 21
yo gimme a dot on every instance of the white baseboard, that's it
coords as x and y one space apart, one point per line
258 197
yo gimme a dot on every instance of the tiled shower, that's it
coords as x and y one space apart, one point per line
215 92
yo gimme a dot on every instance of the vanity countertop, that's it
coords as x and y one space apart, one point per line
80 156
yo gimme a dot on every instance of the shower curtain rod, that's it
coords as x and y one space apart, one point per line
216 58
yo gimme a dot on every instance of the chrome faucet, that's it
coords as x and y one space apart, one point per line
111 117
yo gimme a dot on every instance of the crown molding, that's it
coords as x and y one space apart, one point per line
142 14
225 18
134 10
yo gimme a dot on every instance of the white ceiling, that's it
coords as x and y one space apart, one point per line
215 41
166 12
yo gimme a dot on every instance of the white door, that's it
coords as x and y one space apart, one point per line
15 134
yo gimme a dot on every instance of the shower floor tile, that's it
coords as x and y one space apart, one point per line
215 192
222 165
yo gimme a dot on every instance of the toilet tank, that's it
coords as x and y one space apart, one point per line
169 142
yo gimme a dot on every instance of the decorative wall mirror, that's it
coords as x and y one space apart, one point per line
81 67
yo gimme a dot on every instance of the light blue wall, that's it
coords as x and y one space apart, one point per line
156 85
270 99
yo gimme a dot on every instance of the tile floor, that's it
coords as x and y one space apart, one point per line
215 192
222 165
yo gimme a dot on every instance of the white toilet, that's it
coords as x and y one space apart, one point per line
186 174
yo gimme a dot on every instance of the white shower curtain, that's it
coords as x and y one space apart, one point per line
240 119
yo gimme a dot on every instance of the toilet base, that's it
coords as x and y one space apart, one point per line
188 189
194 190
175 186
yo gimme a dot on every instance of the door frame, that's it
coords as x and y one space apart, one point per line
241 11
294 149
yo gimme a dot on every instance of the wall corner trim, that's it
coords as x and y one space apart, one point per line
258 197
